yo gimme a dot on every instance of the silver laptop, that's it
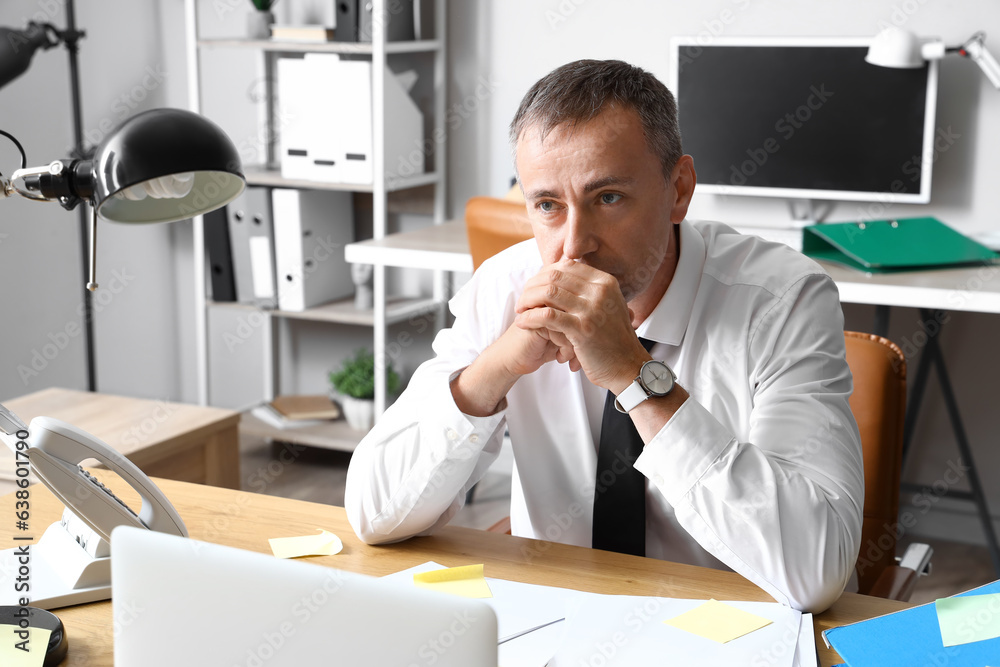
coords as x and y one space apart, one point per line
178 601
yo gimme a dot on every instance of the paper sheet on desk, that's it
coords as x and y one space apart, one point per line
625 630
518 607
521 606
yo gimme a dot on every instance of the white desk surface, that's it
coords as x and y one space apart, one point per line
443 246
973 289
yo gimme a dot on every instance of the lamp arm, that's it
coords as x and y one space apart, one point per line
53 35
68 181
975 49
42 36
28 178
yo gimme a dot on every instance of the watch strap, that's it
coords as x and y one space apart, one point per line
633 395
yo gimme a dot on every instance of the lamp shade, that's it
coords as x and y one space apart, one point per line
16 49
162 143
895 47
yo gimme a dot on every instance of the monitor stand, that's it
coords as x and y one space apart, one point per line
815 212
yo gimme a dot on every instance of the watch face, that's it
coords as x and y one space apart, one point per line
657 378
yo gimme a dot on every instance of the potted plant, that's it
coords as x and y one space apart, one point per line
259 21
355 382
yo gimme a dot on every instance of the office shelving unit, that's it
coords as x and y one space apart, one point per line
388 309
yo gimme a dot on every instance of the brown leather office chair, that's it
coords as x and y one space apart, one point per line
878 404
494 224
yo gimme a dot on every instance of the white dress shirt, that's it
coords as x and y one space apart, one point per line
761 468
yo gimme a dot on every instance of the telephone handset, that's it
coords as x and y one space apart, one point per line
56 451
71 562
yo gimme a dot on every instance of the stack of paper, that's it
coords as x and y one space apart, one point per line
302 33
309 406
297 411
545 625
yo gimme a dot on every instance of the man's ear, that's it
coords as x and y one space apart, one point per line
682 180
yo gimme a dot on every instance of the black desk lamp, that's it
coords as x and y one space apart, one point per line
159 166
18 46
162 165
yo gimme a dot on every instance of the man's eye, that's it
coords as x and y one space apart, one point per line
546 206
610 197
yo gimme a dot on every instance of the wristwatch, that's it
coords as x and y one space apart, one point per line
655 379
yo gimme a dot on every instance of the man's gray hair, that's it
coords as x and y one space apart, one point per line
579 91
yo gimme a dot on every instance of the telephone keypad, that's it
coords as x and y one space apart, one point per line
107 490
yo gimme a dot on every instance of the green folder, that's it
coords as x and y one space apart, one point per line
882 246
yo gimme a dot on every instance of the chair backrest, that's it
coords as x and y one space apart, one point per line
879 405
494 224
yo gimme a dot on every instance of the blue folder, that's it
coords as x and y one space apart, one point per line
910 638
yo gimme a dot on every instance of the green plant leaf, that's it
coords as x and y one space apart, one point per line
356 376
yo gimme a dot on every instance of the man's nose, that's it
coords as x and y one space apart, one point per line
580 239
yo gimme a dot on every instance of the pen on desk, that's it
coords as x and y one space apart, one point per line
524 632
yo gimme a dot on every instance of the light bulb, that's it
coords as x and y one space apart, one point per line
172 186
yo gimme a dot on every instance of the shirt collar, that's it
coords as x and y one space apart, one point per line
668 321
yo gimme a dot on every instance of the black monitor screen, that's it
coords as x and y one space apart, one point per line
801 117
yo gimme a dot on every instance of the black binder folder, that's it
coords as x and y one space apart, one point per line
220 255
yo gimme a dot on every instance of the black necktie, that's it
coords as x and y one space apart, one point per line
620 491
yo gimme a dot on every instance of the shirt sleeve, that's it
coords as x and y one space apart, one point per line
783 509
412 471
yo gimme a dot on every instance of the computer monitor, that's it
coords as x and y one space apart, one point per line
804 119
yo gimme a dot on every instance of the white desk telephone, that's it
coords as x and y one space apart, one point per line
71 562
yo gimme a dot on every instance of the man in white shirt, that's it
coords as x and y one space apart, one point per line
751 459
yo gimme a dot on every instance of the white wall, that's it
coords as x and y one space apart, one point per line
122 72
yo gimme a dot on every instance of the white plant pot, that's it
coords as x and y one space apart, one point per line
360 412
259 24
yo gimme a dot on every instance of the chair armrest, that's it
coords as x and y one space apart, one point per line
897 582
501 526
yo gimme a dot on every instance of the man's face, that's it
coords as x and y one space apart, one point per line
595 193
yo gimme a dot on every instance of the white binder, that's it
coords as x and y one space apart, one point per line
294 122
326 121
311 228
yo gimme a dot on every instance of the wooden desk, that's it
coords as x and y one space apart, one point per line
246 520
173 440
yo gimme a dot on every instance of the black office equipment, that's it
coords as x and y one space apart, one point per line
354 21
806 118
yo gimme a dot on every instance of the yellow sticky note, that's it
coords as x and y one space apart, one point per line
466 581
10 654
324 544
718 622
